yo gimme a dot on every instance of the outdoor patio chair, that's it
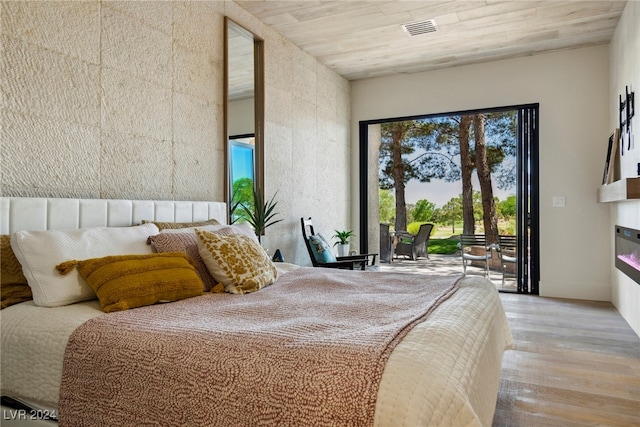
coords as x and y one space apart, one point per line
507 247
474 248
414 246
321 253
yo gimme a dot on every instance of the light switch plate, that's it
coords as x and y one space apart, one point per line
558 201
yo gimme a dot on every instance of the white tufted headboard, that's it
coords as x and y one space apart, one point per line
32 213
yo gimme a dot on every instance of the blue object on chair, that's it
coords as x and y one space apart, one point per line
322 256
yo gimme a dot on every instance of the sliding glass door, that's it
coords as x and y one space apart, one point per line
528 200
468 172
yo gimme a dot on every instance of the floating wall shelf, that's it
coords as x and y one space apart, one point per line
620 191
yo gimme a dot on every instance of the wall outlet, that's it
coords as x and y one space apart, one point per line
558 201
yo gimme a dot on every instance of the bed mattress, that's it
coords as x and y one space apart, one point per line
444 372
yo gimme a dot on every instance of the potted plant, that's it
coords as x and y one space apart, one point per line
343 241
261 215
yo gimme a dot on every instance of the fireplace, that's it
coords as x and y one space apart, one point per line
628 252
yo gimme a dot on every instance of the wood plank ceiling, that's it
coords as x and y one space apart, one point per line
361 39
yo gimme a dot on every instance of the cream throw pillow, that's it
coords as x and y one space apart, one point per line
236 261
40 251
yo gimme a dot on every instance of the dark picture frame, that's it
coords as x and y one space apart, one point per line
612 158
626 112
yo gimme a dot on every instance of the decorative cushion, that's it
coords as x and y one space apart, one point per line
321 250
40 251
13 285
176 225
243 228
185 242
129 281
240 228
246 229
236 261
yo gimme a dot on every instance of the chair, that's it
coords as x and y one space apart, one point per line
414 246
322 255
507 250
474 248
386 243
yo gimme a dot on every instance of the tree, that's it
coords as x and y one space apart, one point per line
242 199
399 140
423 211
489 217
466 166
477 205
501 129
387 206
429 148
398 132
412 149
507 207
451 212
486 156
409 212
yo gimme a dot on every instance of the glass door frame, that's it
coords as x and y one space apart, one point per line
527 186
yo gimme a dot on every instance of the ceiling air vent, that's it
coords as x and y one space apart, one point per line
420 27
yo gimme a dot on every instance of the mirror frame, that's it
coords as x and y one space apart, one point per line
258 66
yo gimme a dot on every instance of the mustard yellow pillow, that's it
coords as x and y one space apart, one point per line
13 285
236 261
122 282
176 225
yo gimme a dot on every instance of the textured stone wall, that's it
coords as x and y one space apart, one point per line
307 141
112 100
106 99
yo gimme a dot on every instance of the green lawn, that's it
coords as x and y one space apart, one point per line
442 231
443 246
443 240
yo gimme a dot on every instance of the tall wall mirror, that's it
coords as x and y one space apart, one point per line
244 114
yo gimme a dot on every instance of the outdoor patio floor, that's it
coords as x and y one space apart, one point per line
444 264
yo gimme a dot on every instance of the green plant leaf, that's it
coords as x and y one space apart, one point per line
262 214
343 236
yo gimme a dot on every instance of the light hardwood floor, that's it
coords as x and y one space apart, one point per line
574 363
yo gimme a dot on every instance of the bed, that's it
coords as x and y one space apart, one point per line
315 347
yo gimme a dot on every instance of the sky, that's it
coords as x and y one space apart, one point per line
440 192
242 162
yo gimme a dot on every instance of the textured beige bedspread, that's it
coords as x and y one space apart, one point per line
446 371
308 350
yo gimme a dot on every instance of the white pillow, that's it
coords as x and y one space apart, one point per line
40 251
246 229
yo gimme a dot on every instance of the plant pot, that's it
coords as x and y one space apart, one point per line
343 250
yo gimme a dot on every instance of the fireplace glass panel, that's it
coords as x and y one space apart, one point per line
628 252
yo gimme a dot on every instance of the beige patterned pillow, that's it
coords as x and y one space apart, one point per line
236 261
